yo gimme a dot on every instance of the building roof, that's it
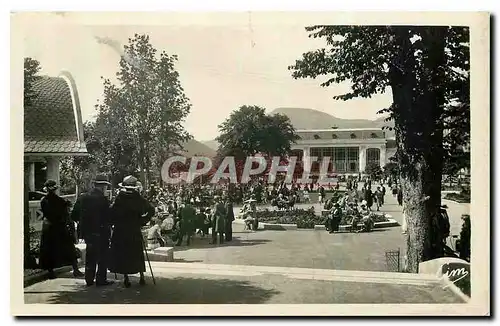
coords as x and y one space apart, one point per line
53 123
336 130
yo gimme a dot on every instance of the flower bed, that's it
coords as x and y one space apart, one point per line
462 197
305 218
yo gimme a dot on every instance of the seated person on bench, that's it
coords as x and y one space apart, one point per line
154 234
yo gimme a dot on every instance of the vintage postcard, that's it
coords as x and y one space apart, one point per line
250 164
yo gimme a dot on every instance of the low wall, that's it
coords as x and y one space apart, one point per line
283 227
35 211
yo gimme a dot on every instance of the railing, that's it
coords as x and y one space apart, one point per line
35 210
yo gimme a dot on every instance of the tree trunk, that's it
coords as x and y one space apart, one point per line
148 167
418 107
142 165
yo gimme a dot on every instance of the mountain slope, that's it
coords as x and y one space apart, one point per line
213 144
314 119
193 147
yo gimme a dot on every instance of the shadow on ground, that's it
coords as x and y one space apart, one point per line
182 290
181 260
200 243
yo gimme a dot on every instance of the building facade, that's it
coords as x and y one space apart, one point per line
349 150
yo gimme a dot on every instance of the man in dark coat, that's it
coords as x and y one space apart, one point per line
218 221
335 218
187 218
464 248
92 211
368 196
129 213
229 220
400 196
57 245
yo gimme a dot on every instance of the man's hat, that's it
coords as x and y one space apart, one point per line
129 182
50 185
101 179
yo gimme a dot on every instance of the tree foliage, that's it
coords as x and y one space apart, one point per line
373 170
31 69
139 120
391 170
146 109
427 69
248 131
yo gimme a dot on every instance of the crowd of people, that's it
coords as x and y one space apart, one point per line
113 228
356 205
180 219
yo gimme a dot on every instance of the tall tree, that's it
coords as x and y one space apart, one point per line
81 169
31 69
418 63
249 131
149 103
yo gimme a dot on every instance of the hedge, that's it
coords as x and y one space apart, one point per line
303 218
460 198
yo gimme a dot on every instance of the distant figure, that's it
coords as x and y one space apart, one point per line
154 234
368 197
400 196
218 221
229 220
187 218
336 218
321 192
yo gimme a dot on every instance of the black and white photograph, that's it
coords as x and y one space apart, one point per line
251 159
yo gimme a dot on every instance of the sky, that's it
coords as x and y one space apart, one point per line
221 66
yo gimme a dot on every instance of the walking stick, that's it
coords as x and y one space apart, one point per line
149 262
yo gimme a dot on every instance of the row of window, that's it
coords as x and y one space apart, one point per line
342 159
353 136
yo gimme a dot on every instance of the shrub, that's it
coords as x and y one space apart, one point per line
305 218
34 242
463 197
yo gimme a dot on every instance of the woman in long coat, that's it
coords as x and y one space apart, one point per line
57 244
218 221
129 213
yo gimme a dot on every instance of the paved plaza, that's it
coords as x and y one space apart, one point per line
292 266
308 248
224 284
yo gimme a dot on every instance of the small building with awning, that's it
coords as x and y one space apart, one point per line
53 129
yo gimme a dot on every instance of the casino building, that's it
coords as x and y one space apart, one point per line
349 150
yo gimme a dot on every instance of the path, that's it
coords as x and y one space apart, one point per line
222 284
310 249
302 248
